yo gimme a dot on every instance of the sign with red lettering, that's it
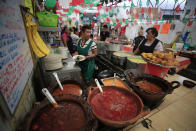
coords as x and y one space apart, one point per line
15 57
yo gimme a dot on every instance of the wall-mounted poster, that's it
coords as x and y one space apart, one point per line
15 57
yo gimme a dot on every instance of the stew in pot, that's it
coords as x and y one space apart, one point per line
68 89
148 86
70 117
114 105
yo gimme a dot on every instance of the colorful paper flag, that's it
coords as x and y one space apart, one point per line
97 14
103 15
126 22
140 3
117 20
177 9
81 15
157 27
92 24
118 10
115 4
185 21
76 11
84 13
108 19
142 10
149 10
190 23
69 19
107 9
127 11
147 3
91 5
137 15
110 7
195 12
124 6
111 13
132 4
165 28
157 2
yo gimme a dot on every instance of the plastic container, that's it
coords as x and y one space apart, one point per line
47 19
63 51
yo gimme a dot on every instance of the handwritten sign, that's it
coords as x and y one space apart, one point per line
15 57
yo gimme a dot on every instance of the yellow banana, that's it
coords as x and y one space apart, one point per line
39 42
32 43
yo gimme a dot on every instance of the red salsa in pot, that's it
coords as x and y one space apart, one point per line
149 86
68 89
69 117
114 105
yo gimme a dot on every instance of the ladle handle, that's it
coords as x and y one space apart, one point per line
98 85
49 97
58 81
114 78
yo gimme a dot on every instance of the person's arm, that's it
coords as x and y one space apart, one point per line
64 39
93 49
159 47
136 51
94 53
75 53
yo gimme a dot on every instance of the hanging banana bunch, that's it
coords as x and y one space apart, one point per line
36 42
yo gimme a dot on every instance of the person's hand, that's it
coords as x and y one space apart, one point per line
75 53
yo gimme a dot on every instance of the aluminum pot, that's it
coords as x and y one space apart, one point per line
141 110
151 98
119 60
135 65
109 54
38 111
113 47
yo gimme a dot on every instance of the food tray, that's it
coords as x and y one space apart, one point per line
157 64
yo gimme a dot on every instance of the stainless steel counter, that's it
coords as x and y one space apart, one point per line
70 71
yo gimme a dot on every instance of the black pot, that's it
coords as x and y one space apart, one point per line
105 74
151 98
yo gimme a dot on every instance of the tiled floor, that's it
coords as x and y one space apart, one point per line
178 111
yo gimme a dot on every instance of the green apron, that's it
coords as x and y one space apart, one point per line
87 66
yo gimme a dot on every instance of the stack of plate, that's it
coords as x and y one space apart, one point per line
53 62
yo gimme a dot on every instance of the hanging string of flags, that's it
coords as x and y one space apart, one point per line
109 14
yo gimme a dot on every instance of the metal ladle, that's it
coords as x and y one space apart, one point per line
50 98
114 82
57 79
99 86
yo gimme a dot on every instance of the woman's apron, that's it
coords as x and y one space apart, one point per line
87 66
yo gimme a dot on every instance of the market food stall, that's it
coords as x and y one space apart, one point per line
125 92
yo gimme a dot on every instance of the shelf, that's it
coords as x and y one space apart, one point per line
48 29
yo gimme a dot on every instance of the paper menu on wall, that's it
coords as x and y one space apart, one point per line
165 28
15 60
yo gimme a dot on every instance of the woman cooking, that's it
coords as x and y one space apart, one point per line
150 44
87 48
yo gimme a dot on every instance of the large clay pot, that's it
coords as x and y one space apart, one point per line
78 112
151 98
55 90
141 111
